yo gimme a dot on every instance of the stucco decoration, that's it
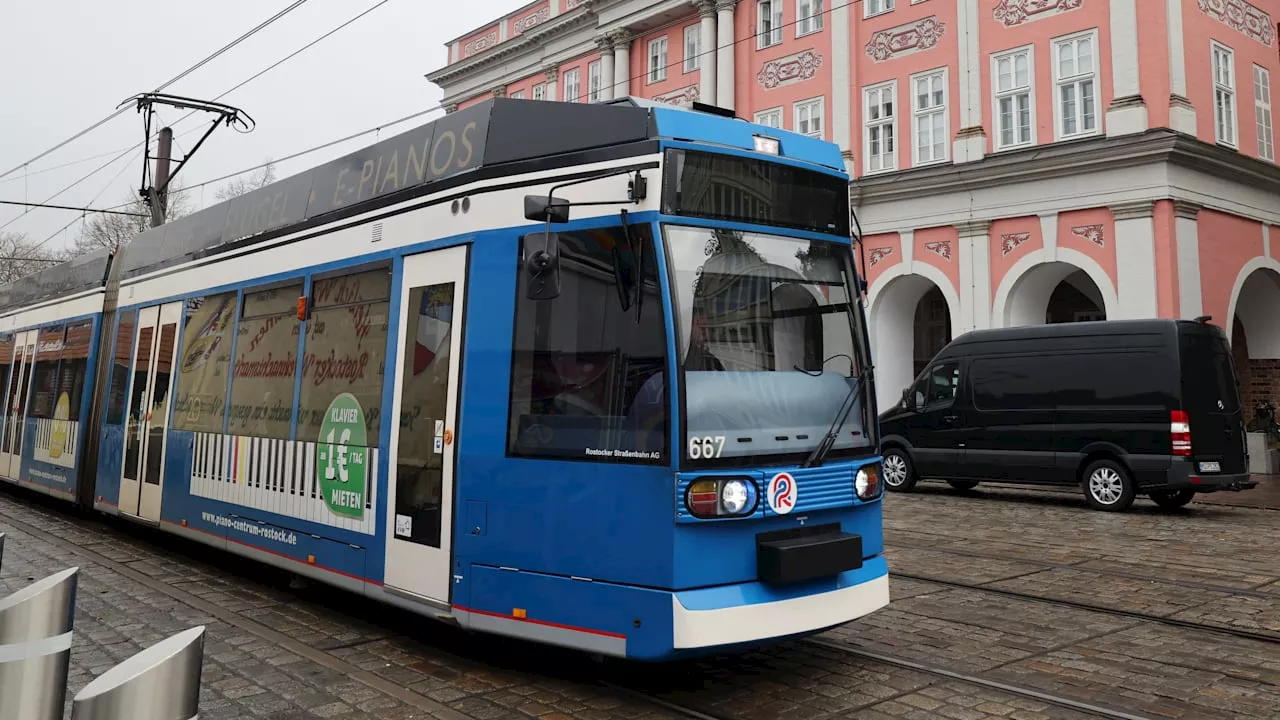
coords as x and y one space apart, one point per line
1010 242
941 247
1240 15
682 96
789 69
878 254
571 4
905 39
1016 12
528 22
480 44
1093 233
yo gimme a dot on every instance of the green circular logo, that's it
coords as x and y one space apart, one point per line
341 457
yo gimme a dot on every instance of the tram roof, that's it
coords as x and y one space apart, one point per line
500 136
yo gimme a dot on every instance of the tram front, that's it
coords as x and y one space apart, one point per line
778 484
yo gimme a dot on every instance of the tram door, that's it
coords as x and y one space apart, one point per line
142 476
24 357
422 457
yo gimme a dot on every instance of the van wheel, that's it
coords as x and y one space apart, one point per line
899 475
963 484
1108 487
1171 499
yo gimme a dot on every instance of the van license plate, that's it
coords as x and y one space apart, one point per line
1210 467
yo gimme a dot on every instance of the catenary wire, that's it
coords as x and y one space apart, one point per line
295 5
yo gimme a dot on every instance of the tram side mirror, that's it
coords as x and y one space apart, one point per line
544 209
542 265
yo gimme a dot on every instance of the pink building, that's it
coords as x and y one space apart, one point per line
1065 159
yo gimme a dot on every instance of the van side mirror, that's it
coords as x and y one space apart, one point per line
907 401
542 264
544 209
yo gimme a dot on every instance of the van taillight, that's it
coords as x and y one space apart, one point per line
1180 432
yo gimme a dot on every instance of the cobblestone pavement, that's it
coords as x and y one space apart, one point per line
1211 565
280 652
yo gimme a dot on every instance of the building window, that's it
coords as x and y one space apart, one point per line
809 117
1224 95
875 7
770 118
768 23
593 81
540 92
1262 113
1014 98
808 16
880 123
517 95
658 59
1075 75
929 116
571 85
692 35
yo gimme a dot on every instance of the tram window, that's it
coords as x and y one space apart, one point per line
120 369
345 350
266 363
6 362
45 382
587 380
203 365
71 371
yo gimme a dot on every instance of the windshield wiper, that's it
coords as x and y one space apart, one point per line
829 440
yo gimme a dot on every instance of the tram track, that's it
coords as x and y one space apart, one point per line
1254 591
1265 637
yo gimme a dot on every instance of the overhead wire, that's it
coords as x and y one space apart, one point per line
434 108
233 89
293 6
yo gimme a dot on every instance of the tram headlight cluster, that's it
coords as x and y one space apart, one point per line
867 482
721 497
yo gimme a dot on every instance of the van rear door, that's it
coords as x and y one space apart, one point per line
1211 399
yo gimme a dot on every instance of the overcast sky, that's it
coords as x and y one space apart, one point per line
68 64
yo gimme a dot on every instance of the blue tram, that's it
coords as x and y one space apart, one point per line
590 375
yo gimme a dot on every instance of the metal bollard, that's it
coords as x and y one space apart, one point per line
35 647
161 682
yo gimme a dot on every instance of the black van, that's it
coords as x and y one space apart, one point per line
1117 408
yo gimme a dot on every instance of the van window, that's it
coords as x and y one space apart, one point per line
1014 383
939 386
1091 379
1208 374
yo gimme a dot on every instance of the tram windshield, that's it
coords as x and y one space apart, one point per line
770 343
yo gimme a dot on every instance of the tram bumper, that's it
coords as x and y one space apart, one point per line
726 616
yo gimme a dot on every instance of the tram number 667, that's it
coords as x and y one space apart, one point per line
706 446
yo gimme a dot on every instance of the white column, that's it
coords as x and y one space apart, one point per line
975 277
455 51
553 83
553 8
502 30
971 140
1135 260
724 53
606 67
1049 233
1127 114
1186 231
706 51
622 63
841 80
1182 115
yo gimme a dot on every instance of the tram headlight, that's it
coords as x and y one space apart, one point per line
709 498
734 496
867 482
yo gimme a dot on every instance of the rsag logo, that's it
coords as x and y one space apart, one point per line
782 493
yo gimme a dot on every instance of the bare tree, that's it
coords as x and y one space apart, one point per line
112 231
20 257
262 177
